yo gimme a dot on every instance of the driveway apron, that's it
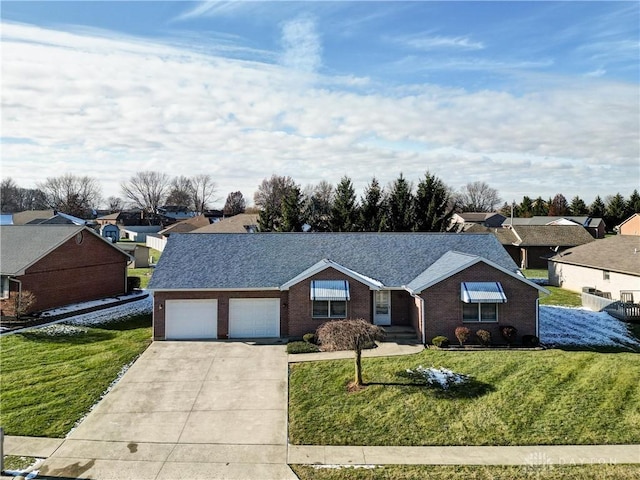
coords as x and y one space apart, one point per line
196 410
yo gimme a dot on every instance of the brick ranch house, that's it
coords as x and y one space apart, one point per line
209 286
60 265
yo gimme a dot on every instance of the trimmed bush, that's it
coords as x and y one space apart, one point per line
530 341
133 283
301 347
462 334
484 336
440 341
309 337
509 333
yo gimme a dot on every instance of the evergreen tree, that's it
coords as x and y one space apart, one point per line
291 211
525 209
400 206
597 208
317 204
433 211
616 211
372 210
539 207
267 219
344 212
578 207
559 206
633 204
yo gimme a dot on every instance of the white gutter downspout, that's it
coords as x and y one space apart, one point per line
538 317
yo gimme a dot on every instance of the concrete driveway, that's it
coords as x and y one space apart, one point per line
192 410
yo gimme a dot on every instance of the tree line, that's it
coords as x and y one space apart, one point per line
285 206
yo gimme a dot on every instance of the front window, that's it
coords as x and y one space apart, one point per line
329 309
479 312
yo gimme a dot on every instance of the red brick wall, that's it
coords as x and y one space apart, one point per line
443 306
223 307
75 273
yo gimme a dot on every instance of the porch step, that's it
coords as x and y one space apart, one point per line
400 333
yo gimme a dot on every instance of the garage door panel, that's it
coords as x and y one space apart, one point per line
191 319
254 317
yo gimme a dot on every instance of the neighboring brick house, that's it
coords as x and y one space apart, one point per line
60 265
286 285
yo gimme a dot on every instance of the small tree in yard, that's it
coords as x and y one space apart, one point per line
484 336
23 303
349 335
509 333
462 334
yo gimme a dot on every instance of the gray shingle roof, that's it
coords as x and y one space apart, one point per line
21 245
552 235
617 254
268 260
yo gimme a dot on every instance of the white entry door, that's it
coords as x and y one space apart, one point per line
382 307
254 317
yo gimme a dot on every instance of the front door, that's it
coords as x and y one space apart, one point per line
382 307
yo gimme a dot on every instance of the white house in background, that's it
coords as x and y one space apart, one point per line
609 265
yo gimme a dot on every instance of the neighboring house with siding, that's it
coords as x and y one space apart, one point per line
60 265
631 226
285 285
465 219
609 265
594 225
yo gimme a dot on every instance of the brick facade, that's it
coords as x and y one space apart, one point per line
74 272
300 318
223 307
443 306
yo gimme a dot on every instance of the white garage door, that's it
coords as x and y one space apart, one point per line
254 317
191 319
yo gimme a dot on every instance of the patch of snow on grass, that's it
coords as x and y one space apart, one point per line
28 473
582 327
117 313
339 467
59 329
438 377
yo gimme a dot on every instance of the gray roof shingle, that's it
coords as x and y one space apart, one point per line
268 260
617 254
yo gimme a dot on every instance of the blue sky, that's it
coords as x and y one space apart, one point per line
535 98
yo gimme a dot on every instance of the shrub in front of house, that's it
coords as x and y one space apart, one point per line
133 283
440 341
509 333
462 334
301 347
309 337
484 336
530 341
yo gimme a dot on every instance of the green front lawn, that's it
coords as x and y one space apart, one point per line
561 297
517 398
50 380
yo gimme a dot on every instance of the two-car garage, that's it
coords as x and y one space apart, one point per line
198 319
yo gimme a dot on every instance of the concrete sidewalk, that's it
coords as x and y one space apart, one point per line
384 349
506 455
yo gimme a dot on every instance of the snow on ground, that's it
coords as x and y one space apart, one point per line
579 326
138 307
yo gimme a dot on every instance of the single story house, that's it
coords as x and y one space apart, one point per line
609 265
531 246
631 226
59 264
492 219
594 225
185 226
241 223
210 286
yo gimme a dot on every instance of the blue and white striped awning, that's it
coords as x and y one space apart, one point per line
330 290
482 292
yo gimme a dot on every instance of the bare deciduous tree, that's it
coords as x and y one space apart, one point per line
203 189
114 204
180 193
24 301
72 194
147 190
270 198
349 335
235 204
478 197
8 195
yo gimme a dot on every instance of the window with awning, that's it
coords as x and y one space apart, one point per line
329 298
482 292
332 290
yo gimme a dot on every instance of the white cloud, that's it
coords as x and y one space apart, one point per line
439 42
302 49
109 107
